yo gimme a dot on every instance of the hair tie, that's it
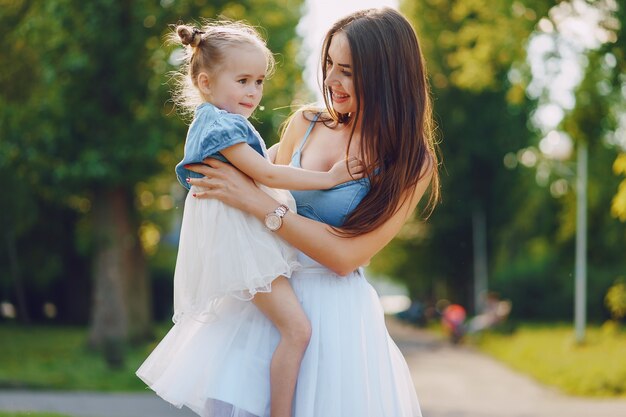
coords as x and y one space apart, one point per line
195 32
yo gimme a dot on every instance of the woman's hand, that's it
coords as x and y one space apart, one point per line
226 183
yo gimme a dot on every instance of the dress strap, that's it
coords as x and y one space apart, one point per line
308 132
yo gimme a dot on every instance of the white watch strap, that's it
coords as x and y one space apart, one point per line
281 210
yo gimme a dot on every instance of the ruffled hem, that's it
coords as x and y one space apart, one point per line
351 366
224 252
209 310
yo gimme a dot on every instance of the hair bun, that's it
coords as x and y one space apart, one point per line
189 35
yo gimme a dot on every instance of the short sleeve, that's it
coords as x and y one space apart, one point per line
219 133
212 131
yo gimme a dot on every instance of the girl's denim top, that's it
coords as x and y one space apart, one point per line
211 131
330 206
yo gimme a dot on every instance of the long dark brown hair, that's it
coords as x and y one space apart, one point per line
393 112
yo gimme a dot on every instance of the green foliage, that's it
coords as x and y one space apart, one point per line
542 228
89 105
616 299
470 44
475 52
549 354
89 95
614 54
532 280
85 107
469 48
594 121
618 206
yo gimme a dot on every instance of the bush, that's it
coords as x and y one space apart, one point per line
615 299
550 354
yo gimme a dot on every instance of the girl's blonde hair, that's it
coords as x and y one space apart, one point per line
204 50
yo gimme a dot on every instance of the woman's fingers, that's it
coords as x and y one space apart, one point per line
219 167
217 179
199 168
204 182
205 194
210 167
208 181
223 182
207 188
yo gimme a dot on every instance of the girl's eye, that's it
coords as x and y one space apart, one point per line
259 82
346 73
242 81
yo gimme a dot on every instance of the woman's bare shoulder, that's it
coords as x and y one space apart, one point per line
303 117
298 122
293 133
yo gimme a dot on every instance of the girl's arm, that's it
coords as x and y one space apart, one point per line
272 152
316 239
260 169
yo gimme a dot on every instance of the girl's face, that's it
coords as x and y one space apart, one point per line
237 86
339 79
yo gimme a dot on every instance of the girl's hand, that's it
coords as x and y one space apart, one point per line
226 183
342 172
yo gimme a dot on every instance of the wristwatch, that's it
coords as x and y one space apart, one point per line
274 220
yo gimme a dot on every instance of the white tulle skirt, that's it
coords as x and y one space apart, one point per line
226 252
351 366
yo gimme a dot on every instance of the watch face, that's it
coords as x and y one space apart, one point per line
273 222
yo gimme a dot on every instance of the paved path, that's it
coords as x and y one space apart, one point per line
91 404
453 381
450 381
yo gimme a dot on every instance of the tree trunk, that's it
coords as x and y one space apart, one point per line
479 236
121 297
16 276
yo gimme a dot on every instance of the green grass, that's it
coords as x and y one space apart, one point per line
38 357
550 354
56 358
29 414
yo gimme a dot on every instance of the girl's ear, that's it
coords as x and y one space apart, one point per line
204 83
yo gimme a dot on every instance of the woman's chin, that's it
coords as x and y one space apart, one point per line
342 108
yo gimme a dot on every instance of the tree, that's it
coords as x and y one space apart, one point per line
618 206
477 60
616 55
470 49
86 118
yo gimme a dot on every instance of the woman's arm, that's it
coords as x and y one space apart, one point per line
317 240
260 169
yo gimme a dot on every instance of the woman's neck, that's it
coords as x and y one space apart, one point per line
353 132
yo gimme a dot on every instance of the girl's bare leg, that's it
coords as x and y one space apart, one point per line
283 309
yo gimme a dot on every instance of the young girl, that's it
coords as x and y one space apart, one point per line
224 252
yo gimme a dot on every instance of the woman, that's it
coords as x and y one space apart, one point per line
378 109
